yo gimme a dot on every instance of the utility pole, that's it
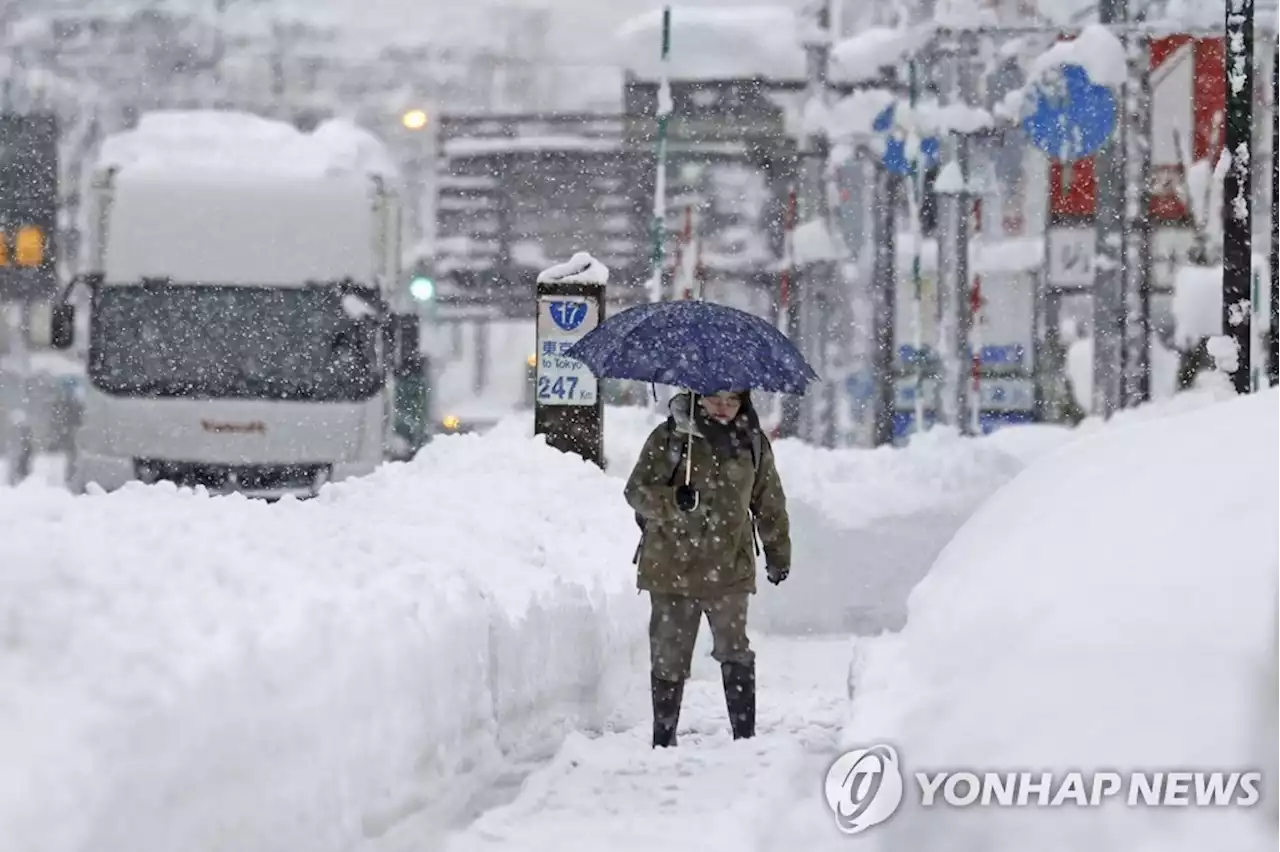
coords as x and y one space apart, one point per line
807 331
1136 119
1237 200
954 236
883 303
1108 281
788 313
1273 344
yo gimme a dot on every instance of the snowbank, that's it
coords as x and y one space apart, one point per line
1197 301
1095 614
1164 371
190 672
243 143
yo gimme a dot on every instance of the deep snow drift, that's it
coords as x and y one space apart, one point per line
1111 608
183 671
306 675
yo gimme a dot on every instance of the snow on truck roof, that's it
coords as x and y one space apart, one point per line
228 141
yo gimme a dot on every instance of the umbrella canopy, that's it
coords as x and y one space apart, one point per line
698 345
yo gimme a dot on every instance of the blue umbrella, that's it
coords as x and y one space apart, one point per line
693 344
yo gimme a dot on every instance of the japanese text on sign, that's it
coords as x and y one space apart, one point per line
562 322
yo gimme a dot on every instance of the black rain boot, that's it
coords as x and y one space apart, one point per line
740 698
667 695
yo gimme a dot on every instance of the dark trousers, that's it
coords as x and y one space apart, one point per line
673 630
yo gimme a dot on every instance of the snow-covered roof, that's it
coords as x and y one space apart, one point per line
862 56
715 43
476 146
243 143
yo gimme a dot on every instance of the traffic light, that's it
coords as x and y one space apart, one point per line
422 288
29 246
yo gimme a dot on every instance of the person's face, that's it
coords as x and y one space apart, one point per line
722 407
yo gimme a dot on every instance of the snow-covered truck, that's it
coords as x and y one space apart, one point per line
243 287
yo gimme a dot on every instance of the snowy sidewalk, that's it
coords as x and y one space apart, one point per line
709 793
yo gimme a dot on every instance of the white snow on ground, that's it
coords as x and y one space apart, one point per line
1197 301
1164 371
183 671
615 792
1111 608
305 675
866 525
368 669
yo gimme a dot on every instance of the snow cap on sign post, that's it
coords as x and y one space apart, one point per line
950 180
1067 107
582 268
568 408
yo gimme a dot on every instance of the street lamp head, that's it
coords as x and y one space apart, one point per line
414 119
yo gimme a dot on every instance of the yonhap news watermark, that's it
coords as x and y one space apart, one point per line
866 786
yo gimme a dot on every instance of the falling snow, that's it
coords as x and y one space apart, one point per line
299 550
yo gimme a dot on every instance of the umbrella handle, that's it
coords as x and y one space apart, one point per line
688 456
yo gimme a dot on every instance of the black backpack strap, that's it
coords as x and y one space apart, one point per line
675 454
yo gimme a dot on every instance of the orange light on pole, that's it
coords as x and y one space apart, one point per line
29 246
4 249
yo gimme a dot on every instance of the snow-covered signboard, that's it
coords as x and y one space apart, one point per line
1188 95
1006 339
1071 253
1006 322
562 322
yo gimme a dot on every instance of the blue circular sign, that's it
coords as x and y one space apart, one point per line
1072 117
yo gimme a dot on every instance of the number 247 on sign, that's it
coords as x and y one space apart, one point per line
563 387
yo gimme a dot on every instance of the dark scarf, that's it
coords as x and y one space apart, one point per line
730 439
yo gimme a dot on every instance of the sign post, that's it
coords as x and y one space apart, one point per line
568 407
1237 192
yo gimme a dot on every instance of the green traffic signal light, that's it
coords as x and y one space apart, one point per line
422 288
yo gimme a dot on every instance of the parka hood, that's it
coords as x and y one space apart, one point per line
681 408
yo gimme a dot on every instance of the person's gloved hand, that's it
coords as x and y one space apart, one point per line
686 498
776 575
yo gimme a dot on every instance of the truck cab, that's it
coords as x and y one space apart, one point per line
238 326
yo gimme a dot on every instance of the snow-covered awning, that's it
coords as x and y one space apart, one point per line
864 56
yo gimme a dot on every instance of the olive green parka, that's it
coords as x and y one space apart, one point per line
709 551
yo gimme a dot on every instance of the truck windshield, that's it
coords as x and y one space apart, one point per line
188 340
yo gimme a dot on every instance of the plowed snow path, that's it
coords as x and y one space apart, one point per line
614 793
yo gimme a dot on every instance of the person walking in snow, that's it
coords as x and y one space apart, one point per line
704 487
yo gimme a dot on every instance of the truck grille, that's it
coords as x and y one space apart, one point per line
292 478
